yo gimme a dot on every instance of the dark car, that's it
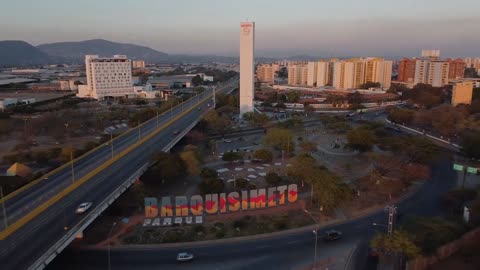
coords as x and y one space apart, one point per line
332 235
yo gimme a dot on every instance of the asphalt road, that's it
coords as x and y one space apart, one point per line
289 251
24 246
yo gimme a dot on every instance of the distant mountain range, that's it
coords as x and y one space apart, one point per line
76 51
20 53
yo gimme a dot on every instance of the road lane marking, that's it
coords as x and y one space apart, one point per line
28 217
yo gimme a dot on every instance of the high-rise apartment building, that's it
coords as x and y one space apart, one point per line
476 63
456 69
462 93
438 73
355 72
406 70
247 66
138 64
107 77
431 54
421 71
323 70
468 62
344 74
297 74
266 73
312 69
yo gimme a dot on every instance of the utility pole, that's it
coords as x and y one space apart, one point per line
157 119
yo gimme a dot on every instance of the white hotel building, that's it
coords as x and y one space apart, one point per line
107 77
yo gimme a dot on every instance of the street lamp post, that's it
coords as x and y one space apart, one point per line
71 153
157 119
109 244
316 239
4 210
139 130
111 143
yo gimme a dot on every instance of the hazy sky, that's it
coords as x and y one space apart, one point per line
283 28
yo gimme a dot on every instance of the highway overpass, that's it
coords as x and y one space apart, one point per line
41 217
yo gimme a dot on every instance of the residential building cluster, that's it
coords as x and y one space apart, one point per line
341 74
430 69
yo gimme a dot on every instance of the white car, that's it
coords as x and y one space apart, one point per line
227 140
82 208
184 257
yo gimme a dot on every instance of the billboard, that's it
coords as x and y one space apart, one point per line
169 210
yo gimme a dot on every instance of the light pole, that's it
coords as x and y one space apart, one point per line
139 130
111 142
157 119
5 220
71 153
316 239
171 111
109 244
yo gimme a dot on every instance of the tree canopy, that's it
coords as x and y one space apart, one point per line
361 139
279 139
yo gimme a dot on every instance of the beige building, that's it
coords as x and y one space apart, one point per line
438 73
266 73
317 73
355 72
462 93
107 77
138 64
297 74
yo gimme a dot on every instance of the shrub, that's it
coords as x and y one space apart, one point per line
273 178
263 155
220 234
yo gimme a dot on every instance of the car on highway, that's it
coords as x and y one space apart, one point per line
199 108
332 235
227 140
176 132
184 257
208 104
83 207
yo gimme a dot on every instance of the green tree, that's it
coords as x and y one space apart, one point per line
241 183
369 85
257 119
263 155
211 185
293 96
308 146
401 116
470 144
273 178
197 80
231 156
192 162
279 139
354 98
328 190
216 122
283 73
398 243
361 139
168 168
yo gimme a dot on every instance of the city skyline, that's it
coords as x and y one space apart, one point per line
347 29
